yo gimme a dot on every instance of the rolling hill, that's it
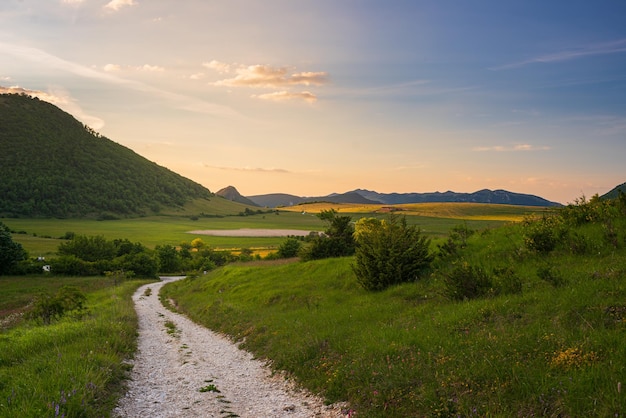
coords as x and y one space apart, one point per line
51 165
362 196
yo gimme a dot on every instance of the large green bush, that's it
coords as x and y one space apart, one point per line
389 252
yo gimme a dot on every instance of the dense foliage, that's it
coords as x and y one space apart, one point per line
389 252
336 241
51 165
10 252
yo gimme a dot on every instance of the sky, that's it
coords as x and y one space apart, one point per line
312 97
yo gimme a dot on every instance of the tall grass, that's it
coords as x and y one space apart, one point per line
73 367
410 352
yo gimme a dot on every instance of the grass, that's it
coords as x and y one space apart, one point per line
408 351
41 237
75 366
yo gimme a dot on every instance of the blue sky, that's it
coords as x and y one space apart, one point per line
316 97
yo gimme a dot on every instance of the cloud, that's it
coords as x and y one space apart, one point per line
285 95
72 1
116 5
249 169
49 61
61 99
143 68
603 48
220 67
265 76
514 148
112 67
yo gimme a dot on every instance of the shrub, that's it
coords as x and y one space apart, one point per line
67 299
467 282
548 274
543 234
289 248
506 282
389 252
337 240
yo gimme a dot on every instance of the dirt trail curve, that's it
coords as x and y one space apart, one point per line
191 371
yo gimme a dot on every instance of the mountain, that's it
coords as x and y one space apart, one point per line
51 165
282 199
362 196
232 194
480 196
614 192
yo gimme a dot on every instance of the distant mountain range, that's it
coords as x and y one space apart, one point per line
613 193
368 196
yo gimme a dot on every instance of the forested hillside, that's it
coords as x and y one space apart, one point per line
51 165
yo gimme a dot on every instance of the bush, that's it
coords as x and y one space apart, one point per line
548 274
389 252
467 282
337 240
543 234
67 299
289 248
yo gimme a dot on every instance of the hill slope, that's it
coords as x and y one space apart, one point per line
51 165
232 194
614 192
366 196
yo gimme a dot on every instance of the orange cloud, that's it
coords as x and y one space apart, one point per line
285 95
265 76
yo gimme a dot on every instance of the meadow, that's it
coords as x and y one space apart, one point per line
74 367
406 351
554 348
41 237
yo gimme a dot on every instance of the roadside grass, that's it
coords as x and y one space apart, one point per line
18 292
75 366
409 351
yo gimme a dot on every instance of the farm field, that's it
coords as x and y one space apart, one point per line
41 236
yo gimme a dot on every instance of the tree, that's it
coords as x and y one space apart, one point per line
168 258
389 252
289 248
10 252
337 240
89 248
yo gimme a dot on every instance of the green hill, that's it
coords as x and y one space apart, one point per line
51 165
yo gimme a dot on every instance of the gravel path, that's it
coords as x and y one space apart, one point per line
182 369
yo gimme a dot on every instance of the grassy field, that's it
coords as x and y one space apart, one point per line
41 236
73 367
556 349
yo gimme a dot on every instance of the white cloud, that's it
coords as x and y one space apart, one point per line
116 5
73 2
144 68
220 67
603 48
61 99
285 95
112 67
514 148
265 76
196 76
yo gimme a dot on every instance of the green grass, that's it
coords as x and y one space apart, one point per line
410 352
73 366
40 237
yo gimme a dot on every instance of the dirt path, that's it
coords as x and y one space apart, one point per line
184 370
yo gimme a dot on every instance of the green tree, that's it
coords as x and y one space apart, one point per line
89 248
169 261
289 248
389 252
10 252
337 240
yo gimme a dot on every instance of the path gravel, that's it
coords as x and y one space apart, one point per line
191 371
